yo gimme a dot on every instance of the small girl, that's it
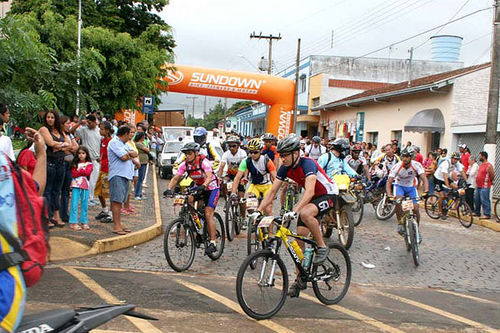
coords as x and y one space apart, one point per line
81 168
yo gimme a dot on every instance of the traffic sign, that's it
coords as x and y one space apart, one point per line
148 104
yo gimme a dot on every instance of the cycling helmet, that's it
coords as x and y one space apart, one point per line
288 144
408 151
316 139
200 135
303 142
340 144
255 144
268 136
190 146
356 147
233 139
455 155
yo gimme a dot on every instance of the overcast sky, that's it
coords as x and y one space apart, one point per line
215 33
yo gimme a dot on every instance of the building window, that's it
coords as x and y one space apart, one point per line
396 135
315 102
302 83
373 138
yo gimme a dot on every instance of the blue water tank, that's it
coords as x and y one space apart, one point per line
446 47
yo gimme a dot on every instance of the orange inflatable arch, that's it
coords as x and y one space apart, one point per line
274 91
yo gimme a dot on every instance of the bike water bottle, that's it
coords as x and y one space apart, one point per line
297 249
197 221
307 257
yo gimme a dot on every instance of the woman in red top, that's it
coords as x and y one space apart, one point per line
484 180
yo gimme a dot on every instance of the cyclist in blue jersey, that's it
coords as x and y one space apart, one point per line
335 161
318 197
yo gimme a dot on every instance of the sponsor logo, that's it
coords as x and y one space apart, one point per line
225 83
284 124
174 77
39 329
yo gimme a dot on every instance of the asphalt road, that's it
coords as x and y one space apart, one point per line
456 288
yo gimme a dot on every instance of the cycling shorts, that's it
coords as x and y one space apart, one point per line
260 190
241 187
324 203
439 185
209 197
410 191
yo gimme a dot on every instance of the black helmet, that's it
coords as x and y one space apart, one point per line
288 144
340 144
316 139
408 151
190 146
268 136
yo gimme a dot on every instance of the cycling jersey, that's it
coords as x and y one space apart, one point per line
272 153
233 161
356 164
406 177
315 152
259 170
388 162
198 170
206 150
447 167
307 167
331 163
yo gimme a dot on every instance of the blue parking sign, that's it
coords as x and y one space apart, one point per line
148 104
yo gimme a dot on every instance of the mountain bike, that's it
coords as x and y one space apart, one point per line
256 236
291 195
189 231
410 225
233 217
356 189
454 198
262 292
496 209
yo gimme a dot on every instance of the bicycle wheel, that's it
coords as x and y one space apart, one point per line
431 206
406 235
357 210
385 210
413 240
252 241
464 214
236 219
220 237
496 209
260 295
179 245
332 279
346 232
229 220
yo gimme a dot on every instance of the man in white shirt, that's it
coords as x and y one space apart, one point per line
315 150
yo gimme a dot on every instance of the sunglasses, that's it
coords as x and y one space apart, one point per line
283 155
255 152
233 146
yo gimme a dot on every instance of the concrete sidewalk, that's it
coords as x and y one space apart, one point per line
145 224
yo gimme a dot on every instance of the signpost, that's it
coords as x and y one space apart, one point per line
148 104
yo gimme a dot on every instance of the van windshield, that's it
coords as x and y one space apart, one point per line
173 147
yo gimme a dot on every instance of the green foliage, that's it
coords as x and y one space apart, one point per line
239 105
216 114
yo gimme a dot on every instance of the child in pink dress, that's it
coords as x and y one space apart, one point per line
81 168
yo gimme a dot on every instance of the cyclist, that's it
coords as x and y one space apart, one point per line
232 158
388 159
261 169
315 149
199 168
206 149
357 162
317 199
335 161
443 178
270 148
404 175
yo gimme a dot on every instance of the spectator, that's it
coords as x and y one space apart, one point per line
121 172
375 153
5 141
418 157
68 159
484 180
127 207
56 140
143 160
26 158
81 169
430 166
464 156
102 184
442 156
90 137
471 180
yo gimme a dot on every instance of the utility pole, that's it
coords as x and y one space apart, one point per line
296 102
78 57
193 98
492 115
270 38
409 66
270 58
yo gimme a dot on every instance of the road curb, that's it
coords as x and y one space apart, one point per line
128 240
490 224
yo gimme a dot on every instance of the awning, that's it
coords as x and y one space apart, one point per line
429 120
308 118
